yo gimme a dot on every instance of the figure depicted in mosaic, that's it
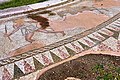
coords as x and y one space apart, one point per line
28 31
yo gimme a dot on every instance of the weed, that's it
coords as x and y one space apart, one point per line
16 3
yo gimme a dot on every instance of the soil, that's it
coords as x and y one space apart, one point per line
87 67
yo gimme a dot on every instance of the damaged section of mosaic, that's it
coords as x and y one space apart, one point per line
30 30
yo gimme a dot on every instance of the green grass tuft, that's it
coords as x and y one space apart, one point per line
16 3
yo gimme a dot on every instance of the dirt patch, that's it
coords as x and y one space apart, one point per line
88 67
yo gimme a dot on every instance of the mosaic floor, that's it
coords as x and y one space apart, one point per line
22 60
104 37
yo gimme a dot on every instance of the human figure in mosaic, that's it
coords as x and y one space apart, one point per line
28 31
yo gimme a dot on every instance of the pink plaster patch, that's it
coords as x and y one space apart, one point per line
86 19
107 3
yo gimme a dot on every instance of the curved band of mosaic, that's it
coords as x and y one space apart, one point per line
65 41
